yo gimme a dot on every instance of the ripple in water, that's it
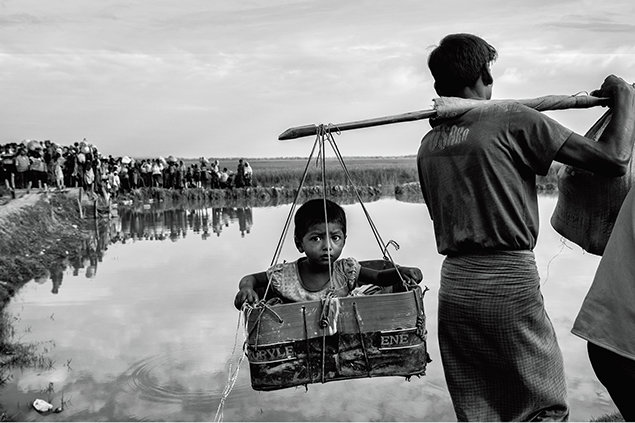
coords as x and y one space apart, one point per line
186 376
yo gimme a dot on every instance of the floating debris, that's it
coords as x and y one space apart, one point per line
42 406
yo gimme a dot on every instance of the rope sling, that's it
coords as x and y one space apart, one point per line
324 134
324 137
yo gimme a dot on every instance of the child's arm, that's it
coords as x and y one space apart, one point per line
247 288
387 277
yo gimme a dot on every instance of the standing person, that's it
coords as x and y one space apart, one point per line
80 169
157 173
239 178
22 164
215 175
37 169
196 176
146 173
124 177
114 183
478 173
204 175
606 319
180 175
9 167
88 175
70 162
248 174
223 178
49 154
189 177
134 174
58 170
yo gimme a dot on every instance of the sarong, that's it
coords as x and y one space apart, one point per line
499 350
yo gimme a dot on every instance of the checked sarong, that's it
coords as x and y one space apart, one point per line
498 347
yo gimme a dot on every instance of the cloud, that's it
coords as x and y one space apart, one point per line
125 72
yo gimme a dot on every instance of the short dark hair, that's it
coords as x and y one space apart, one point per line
312 212
458 61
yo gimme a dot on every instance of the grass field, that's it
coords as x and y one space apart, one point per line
381 172
367 171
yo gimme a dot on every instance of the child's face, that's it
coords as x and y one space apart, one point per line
314 243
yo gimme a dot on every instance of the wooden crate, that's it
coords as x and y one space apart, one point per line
377 335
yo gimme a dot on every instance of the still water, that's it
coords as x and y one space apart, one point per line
144 328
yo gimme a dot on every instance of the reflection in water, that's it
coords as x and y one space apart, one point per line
133 225
175 223
84 257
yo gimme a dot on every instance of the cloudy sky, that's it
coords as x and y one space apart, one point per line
223 78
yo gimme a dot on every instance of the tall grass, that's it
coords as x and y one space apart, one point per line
16 354
381 171
365 177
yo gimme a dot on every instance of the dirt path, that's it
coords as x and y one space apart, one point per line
9 206
14 205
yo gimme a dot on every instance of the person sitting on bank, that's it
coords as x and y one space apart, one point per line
320 273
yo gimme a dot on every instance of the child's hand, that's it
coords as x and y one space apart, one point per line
245 295
411 275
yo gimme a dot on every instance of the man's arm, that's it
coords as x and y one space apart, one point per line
611 154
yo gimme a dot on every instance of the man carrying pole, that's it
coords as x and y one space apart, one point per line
477 172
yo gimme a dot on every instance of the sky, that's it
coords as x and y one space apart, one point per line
224 78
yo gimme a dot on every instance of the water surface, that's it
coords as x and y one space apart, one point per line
144 327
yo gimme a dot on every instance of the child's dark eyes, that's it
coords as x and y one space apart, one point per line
317 238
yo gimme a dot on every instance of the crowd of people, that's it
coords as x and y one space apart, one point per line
45 165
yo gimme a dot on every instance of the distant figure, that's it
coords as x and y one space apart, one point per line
9 167
239 178
214 175
146 173
39 176
248 174
157 174
196 176
58 172
204 175
134 175
180 175
89 179
22 164
124 177
114 181
224 178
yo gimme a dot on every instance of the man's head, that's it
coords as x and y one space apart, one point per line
458 62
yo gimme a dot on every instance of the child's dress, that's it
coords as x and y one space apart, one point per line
287 284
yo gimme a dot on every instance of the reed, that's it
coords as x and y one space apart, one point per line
381 171
367 177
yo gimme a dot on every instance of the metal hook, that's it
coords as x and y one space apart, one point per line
385 249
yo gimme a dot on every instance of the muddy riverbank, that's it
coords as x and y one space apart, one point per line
37 233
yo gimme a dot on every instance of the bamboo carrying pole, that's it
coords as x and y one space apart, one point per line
451 106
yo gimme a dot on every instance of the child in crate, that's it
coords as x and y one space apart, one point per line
308 278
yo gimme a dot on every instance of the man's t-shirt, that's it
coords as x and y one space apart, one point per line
478 176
